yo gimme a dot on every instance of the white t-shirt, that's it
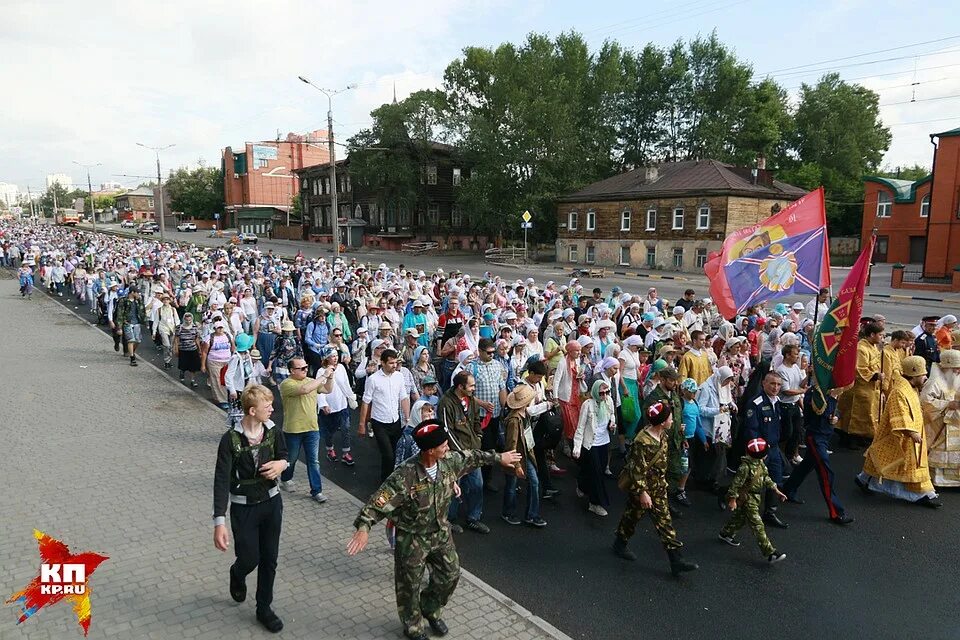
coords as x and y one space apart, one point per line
793 377
383 393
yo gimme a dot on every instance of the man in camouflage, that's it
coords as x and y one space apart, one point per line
666 391
416 497
644 479
744 498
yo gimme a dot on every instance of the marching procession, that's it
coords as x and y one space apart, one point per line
455 376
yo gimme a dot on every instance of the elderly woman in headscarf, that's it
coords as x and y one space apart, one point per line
465 361
717 406
591 442
422 367
944 333
532 346
609 371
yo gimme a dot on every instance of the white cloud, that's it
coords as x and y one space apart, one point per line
934 109
87 80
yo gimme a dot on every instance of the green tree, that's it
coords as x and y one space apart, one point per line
198 193
914 172
838 129
56 193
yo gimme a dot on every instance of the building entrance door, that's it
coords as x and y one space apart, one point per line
880 249
918 249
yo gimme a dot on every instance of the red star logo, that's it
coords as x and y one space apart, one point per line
44 590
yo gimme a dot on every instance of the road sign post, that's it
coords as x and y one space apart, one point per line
526 225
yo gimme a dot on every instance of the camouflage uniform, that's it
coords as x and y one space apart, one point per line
748 486
646 470
418 507
674 437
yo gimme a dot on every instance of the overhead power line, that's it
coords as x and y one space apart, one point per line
616 25
861 55
890 104
862 64
677 19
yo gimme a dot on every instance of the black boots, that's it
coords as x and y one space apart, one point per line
678 565
620 549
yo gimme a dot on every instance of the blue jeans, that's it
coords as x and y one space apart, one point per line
533 492
471 497
331 423
310 441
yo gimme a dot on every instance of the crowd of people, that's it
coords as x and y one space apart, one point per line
651 397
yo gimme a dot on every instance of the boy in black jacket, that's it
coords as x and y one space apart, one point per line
251 456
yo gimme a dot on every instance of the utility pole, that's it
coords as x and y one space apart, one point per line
333 160
159 206
93 210
334 202
55 202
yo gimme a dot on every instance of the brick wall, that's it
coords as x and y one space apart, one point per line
943 236
893 233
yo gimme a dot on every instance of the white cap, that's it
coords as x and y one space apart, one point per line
678 309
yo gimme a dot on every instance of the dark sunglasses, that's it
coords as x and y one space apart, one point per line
337 335
490 352
303 368
604 393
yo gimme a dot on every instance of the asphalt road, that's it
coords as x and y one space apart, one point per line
891 574
899 313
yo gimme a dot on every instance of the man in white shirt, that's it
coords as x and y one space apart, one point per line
817 309
791 399
385 402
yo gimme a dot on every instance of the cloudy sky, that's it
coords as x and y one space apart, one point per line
86 81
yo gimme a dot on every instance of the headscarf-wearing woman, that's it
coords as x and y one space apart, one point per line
266 328
186 346
630 364
219 349
422 367
717 407
591 442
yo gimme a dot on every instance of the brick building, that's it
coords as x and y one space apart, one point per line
259 180
666 216
135 205
919 222
388 223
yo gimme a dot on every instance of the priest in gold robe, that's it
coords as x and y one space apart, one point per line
891 358
940 399
896 462
860 405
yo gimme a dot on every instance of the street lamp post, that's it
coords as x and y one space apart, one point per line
157 151
93 211
334 204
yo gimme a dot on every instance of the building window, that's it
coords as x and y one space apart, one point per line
625 220
572 253
149 203
678 218
591 254
591 220
652 256
456 217
326 185
651 219
925 206
456 176
433 212
315 186
884 204
262 163
701 258
348 183
572 221
432 174
625 256
703 217
678 257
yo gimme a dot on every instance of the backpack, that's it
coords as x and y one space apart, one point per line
548 429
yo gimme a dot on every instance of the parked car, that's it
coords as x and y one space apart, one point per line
187 226
248 238
145 229
127 224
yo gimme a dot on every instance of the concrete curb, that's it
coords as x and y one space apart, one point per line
896 296
493 592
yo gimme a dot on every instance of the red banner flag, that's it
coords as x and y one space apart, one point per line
785 255
834 356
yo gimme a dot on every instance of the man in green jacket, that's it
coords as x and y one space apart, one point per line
459 413
415 497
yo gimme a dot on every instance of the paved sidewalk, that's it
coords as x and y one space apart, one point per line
120 461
